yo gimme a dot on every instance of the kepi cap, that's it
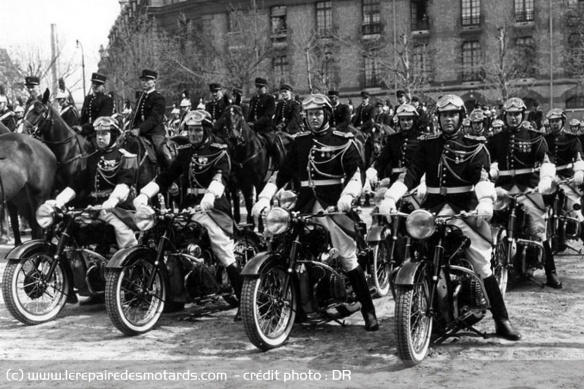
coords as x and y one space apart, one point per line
287 87
215 86
31 81
149 74
333 92
261 81
98 78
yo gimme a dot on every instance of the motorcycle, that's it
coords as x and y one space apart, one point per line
563 225
173 264
42 274
299 277
437 292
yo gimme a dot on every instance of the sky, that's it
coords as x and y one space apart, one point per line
27 23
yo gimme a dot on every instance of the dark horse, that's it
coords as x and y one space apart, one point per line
251 166
147 166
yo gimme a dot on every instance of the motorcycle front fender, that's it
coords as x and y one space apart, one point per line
120 258
31 246
253 266
376 234
406 273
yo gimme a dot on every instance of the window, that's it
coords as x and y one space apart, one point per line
328 67
372 78
421 62
420 20
279 20
526 52
523 10
280 65
575 102
371 17
324 18
471 12
574 57
471 55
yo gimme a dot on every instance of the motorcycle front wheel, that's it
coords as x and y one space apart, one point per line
267 310
499 261
413 322
382 268
31 296
244 250
134 307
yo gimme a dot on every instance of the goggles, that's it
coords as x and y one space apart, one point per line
316 101
556 113
514 104
449 103
105 123
406 110
198 118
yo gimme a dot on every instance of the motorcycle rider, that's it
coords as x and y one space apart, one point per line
111 172
566 152
205 162
328 166
461 162
516 153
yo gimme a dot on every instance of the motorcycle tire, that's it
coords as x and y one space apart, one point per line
134 308
245 248
267 311
381 269
499 261
30 297
413 323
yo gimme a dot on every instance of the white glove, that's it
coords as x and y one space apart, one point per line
485 209
262 204
579 177
140 201
494 171
54 203
345 203
421 191
367 186
387 207
371 175
110 204
545 185
207 202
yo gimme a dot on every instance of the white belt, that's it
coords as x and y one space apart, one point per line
564 167
196 191
516 172
398 170
332 181
449 190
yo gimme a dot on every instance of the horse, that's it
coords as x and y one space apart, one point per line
251 166
147 166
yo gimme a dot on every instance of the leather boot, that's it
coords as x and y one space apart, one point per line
549 265
234 275
93 300
359 283
503 327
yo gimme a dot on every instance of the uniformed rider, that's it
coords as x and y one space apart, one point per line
288 110
341 117
95 105
460 185
517 154
206 165
218 103
328 166
67 111
262 108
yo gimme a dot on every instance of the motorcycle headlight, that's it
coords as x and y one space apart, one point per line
503 199
420 224
277 221
145 218
287 200
45 215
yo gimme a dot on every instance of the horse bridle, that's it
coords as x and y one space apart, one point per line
42 119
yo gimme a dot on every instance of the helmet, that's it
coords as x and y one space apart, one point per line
477 116
406 110
546 122
574 122
185 103
556 113
317 101
18 109
107 123
449 103
61 94
514 104
466 122
198 118
497 123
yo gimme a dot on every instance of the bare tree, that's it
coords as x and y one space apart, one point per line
573 54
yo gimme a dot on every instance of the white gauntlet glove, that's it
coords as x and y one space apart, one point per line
494 171
109 204
371 174
62 198
140 201
579 172
264 199
207 202
393 194
387 206
345 203
546 177
486 194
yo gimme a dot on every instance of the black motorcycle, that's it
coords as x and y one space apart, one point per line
173 264
437 292
299 278
42 275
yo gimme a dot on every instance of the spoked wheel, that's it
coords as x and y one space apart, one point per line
413 323
133 306
31 296
382 268
267 310
499 261
244 250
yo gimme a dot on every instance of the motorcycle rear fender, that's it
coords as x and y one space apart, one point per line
253 266
375 234
406 273
121 257
32 245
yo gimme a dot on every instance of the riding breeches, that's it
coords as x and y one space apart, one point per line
481 245
536 209
221 244
125 237
340 240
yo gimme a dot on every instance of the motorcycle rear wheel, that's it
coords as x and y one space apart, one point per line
132 308
268 312
382 268
499 262
30 296
413 324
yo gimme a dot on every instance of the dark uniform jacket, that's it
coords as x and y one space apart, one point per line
563 151
449 162
94 106
330 158
515 150
216 107
397 154
261 111
364 117
149 114
288 116
200 165
69 115
341 117
105 170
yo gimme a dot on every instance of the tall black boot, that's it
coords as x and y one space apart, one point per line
234 275
359 283
549 265
503 327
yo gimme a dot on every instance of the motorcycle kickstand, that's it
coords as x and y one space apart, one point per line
574 249
540 284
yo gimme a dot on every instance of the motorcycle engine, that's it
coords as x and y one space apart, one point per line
327 286
200 282
472 293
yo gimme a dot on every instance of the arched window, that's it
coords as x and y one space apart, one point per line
576 101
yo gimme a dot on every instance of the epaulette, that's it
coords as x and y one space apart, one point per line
301 133
479 138
184 146
428 136
218 145
127 154
343 134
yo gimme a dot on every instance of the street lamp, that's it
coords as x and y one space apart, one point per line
82 66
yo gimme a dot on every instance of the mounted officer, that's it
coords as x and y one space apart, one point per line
288 110
262 108
218 103
341 117
32 84
67 111
363 119
97 104
205 163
